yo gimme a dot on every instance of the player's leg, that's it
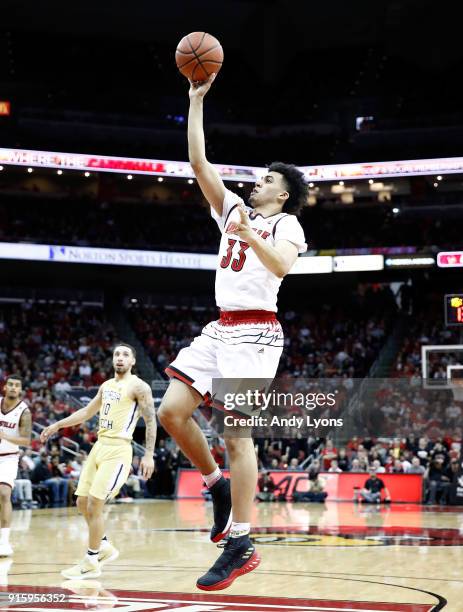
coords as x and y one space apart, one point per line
192 373
175 415
81 504
87 568
243 477
96 526
6 512
240 557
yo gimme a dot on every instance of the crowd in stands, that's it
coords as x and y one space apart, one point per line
177 219
437 460
54 346
427 328
339 340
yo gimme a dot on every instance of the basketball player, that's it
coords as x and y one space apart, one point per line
259 245
15 431
119 401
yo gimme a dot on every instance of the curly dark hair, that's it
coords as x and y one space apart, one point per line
295 185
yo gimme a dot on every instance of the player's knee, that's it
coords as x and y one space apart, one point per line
5 495
82 505
169 416
94 507
236 447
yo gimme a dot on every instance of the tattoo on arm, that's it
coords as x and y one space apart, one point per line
146 405
25 425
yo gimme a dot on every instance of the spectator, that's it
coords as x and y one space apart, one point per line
343 460
328 454
56 485
23 485
135 482
334 468
27 460
62 386
162 477
371 492
316 491
416 467
294 465
267 487
377 467
439 480
314 469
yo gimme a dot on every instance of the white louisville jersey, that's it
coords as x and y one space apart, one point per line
9 425
242 281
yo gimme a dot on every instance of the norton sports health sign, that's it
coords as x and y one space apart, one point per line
179 169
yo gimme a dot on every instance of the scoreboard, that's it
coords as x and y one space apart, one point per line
454 309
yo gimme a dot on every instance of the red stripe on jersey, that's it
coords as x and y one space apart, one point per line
233 317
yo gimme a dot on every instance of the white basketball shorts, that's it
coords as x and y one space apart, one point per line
240 344
8 468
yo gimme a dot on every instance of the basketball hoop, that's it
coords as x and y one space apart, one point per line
457 389
455 381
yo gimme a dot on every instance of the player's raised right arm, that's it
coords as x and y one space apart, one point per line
207 176
76 418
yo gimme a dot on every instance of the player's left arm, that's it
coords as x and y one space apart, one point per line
144 398
25 431
279 259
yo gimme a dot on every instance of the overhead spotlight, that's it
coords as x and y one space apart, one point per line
371 181
30 170
436 184
190 181
133 300
240 184
341 182
87 174
129 177
1 168
160 179
310 184
439 178
396 210
60 172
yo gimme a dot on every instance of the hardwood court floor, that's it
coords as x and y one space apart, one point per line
339 552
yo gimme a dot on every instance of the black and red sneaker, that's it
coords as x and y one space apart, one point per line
221 500
238 558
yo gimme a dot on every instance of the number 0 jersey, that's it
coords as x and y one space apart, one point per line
242 281
119 412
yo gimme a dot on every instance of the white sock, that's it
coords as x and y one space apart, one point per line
239 529
211 479
5 535
92 554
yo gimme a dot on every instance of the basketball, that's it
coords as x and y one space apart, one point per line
198 55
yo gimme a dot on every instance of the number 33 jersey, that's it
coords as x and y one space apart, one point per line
242 281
